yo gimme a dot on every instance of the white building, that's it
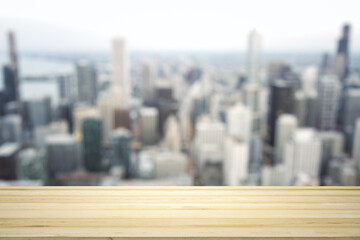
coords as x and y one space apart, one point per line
208 131
253 57
147 86
170 164
302 154
239 122
286 124
273 175
236 162
121 76
172 134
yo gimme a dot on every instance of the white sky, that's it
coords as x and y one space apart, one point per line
295 25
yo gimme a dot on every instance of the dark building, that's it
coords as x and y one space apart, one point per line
281 101
8 153
65 113
122 118
120 140
2 103
165 108
9 83
13 61
343 50
91 142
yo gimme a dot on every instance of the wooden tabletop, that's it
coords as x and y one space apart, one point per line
179 212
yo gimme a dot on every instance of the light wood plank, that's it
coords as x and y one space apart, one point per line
99 213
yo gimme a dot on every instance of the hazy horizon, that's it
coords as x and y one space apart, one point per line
290 26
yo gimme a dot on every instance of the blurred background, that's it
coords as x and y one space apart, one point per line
155 92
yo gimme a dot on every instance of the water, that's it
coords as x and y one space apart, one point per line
36 66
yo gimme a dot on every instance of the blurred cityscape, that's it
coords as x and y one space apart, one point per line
147 118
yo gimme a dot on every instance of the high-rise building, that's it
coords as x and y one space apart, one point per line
64 87
332 146
343 51
8 153
14 64
65 113
255 154
239 122
350 112
107 104
122 118
147 83
329 96
356 148
120 69
286 125
209 131
236 162
9 83
38 111
281 101
80 112
253 57
86 82
42 132
11 129
120 140
172 139
148 119
305 108
255 97
277 69
62 154
302 155
91 142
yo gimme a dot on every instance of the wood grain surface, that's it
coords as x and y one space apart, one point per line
179 212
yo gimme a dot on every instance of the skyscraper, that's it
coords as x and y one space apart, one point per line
62 154
9 83
147 86
236 162
14 64
281 101
121 68
356 149
172 134
148 120
305 108
286 125
120 140
38 111
253 57
8 153
343 51
350 112
329 96
91 142
11 129
239 122
86 82
332 146
302 155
